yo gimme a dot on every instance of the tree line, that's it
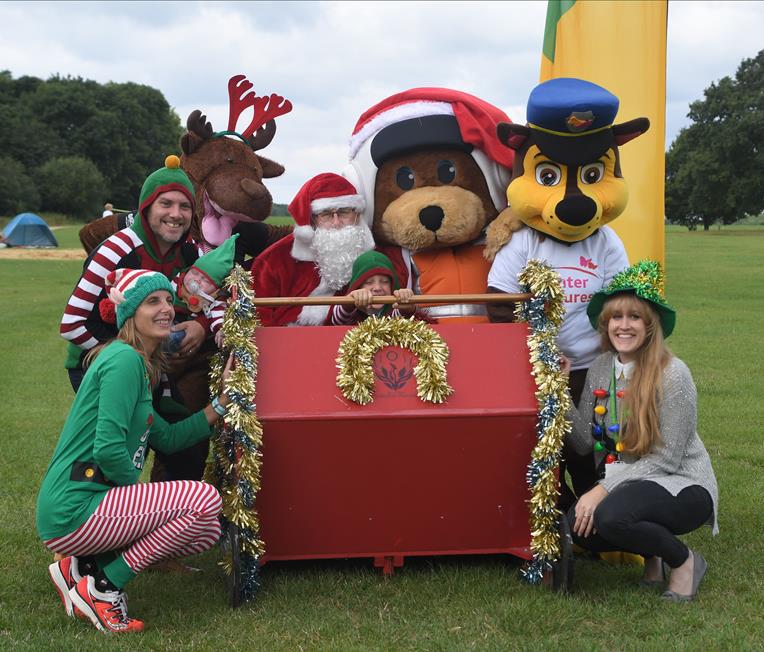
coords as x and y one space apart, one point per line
715 166
69 144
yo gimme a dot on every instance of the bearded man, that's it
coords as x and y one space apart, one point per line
317 258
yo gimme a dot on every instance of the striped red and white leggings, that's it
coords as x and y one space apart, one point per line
148 522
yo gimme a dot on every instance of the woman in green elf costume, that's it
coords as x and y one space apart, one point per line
638 413
91 508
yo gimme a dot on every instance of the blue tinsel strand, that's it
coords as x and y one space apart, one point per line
250 577
245 441
246 492
242 400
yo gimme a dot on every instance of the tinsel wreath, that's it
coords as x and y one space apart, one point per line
356 356
544 313
234 466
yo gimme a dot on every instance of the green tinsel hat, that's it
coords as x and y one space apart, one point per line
170 177
371 263
643 279
218 263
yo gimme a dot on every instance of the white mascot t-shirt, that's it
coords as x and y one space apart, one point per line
584 268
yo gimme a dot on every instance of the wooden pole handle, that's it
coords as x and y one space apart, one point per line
417 299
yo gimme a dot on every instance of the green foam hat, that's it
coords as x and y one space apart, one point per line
218 263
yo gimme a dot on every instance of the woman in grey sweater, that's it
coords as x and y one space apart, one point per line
638 414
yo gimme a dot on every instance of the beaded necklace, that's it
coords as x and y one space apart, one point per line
608 437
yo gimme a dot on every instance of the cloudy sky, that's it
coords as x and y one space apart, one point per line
333 60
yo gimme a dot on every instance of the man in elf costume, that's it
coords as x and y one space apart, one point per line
158 241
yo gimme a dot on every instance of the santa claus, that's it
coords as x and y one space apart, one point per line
317 258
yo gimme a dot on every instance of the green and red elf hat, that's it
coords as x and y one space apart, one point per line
165 179
218 263
644 280
367 265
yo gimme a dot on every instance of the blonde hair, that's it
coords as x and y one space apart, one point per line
155 363
640 427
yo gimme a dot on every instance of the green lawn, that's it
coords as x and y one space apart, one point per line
715 282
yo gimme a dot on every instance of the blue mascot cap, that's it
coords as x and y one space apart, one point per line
571 107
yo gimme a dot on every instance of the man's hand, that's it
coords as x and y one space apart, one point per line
565 366
585 508
194 337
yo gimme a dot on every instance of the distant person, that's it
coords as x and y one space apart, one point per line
108 210
373 275
638 413
91 508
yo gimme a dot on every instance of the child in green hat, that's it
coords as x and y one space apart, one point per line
373 275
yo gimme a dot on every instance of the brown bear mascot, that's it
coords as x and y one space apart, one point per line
433 173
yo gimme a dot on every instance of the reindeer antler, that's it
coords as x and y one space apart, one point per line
265 108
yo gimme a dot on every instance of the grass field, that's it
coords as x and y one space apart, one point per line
715 280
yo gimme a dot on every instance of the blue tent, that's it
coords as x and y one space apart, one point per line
28 230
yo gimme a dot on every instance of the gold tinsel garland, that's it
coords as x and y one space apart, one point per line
544 313
234 466
356 357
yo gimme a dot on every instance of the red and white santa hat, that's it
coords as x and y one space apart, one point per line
477 121
325 191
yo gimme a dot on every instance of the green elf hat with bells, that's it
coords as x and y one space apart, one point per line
127 290
644 280
165 179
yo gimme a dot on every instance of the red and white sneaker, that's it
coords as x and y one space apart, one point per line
107 610
65 574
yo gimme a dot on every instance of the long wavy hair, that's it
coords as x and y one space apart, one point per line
640 423
155 363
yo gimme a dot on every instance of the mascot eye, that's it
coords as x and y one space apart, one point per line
592 173
404 177
548 174
446 171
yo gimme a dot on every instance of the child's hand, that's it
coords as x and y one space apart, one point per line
362 297
564 365
219 339
404 305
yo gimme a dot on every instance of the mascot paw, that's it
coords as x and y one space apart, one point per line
499 232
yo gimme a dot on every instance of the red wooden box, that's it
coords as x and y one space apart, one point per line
396 477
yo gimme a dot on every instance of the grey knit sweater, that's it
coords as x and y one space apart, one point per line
680 460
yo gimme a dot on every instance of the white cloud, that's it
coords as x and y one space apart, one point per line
336 59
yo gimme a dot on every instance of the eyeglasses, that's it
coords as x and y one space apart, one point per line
345 215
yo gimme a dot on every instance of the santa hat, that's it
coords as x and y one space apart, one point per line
326 191
127 289
165 179
423 117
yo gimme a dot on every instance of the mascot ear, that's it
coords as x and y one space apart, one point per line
512 135
627 131
198 130
270 168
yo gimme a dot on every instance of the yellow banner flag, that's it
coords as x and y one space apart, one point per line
621 45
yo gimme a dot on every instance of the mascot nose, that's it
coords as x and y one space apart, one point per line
431 217
253 189
576 210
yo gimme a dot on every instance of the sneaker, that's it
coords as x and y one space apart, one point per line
65 574
107 610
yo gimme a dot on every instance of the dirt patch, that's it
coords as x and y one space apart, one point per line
17 253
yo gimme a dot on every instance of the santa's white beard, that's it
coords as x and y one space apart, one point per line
335 251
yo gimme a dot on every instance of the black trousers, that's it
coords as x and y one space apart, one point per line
644 518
